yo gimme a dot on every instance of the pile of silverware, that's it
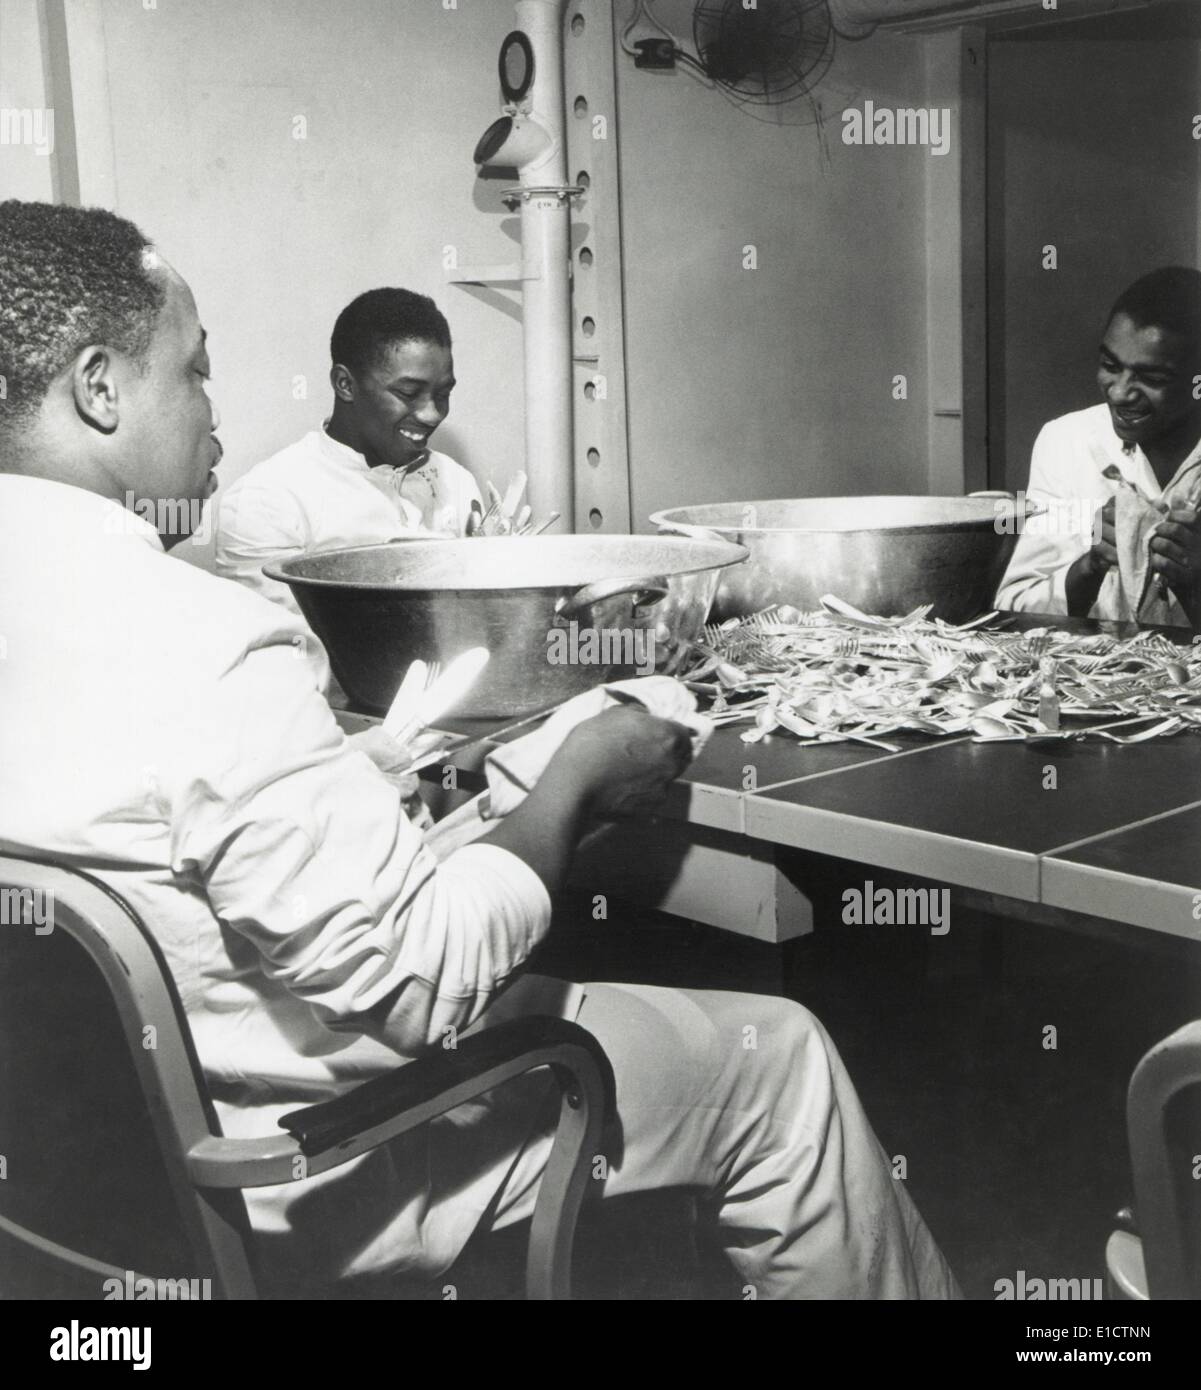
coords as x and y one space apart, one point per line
839 674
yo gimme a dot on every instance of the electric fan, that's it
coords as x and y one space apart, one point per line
767 54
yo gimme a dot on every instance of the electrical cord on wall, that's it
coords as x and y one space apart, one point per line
642 12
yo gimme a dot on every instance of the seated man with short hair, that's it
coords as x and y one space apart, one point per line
1120 482
156 730
368 474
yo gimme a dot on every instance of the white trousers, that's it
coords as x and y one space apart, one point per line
745 1099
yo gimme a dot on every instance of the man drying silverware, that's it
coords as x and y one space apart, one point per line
156 728
1121 482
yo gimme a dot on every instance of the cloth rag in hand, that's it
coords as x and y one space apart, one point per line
513 769
1132 590
393 760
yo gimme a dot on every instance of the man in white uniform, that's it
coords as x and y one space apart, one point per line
155 728
368 475
1099 550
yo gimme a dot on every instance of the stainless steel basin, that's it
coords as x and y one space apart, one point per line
886 555
559 614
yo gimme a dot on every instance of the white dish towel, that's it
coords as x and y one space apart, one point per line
513 769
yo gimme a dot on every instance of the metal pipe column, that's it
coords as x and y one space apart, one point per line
546 258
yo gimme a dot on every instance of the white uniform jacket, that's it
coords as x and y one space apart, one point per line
1068 477
318 494
158 729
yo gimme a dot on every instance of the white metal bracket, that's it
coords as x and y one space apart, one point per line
522 193
489 275
509 274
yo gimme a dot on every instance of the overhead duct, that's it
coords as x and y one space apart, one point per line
855 17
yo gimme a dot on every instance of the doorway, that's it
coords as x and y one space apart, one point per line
1093 166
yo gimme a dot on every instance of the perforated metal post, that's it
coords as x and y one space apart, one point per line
601 446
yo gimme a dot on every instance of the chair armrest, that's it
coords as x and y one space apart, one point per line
433 1084
326 1135
331 1133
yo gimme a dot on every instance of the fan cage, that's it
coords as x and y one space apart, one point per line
767 55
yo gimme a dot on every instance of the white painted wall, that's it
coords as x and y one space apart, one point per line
276 234
24 172
776 381
741 383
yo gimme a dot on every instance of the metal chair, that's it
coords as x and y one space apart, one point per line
1161 1259
111 1155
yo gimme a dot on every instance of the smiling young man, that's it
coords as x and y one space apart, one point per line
368 474
1121 481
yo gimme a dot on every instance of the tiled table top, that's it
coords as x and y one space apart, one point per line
1148 874
1092 827
982 815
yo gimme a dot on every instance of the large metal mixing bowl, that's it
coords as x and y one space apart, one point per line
886 555
559 614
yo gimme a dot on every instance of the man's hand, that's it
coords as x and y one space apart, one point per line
619 762
1176 558
627 758
1102 556
1083 580
388 755
393 760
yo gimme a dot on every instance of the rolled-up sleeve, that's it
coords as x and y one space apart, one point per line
304 850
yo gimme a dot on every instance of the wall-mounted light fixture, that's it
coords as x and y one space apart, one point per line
516 66
513 142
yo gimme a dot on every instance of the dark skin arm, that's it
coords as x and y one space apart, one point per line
1175 552
1083 581
620 762
1176 558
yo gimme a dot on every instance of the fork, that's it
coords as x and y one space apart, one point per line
417 680
1037 647
919 615
716 633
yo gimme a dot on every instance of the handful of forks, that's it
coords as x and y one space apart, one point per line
426 693
507 515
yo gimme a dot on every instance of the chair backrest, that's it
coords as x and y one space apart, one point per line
1163 1120
101 1099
